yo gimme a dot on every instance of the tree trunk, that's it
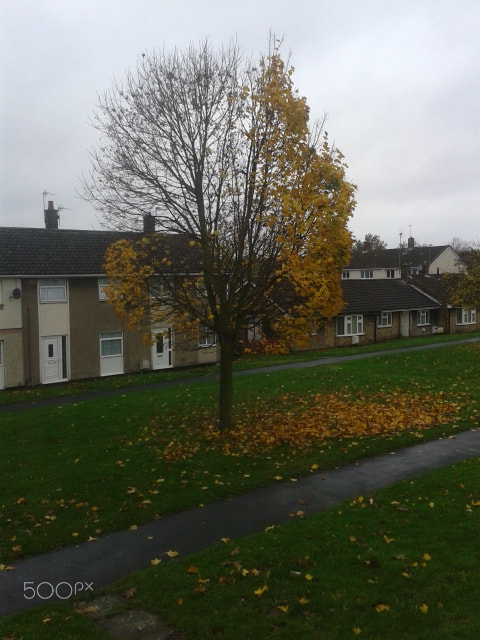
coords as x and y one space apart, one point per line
225 404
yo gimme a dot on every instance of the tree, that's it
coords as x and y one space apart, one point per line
221 153
463 289
370 243
459 245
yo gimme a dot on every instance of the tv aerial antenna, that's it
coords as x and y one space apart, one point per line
46 193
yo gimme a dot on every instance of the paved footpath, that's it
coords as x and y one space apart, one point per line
99 563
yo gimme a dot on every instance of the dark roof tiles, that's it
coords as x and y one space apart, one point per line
394 258
376 295
60 252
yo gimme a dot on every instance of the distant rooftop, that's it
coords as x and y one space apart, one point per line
394 258
376 295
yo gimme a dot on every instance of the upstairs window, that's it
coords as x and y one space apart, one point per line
345 275
53 290
102 285
390 273
366 273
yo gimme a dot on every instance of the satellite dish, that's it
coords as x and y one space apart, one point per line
17 294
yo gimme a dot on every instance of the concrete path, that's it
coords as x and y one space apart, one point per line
98 563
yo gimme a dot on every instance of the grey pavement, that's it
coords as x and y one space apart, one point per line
100 562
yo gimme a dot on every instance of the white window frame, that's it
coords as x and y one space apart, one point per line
102 285
52 290
390 273
111 337
366 274
423 317
466 316
345 275
206 337
384 319
349 325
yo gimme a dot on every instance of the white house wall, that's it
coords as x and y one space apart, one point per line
447 262
11 365
54 321
10 307
377 274
53 318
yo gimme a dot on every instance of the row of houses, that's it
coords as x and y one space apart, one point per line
56 324
55 321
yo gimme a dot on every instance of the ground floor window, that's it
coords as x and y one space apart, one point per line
206 337
349 325
384 319
423 317
111 353
466 316
111 343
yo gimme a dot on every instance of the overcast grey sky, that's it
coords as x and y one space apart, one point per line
398 79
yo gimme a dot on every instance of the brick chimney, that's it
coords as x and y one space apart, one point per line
411 242
51 216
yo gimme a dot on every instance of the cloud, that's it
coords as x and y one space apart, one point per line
399 81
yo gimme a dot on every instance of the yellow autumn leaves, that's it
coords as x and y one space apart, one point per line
299 422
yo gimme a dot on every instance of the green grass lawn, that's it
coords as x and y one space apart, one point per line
74 472
80 387
400 563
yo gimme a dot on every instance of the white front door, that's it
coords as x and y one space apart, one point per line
52 359
404 324
2 367
162 349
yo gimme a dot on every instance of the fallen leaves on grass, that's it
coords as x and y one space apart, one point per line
298 421
129 593
261 590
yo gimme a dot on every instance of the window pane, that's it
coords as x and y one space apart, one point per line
340 326
159 345
105 335
102 284
111 347
348 325
206 337
111 343
53 290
